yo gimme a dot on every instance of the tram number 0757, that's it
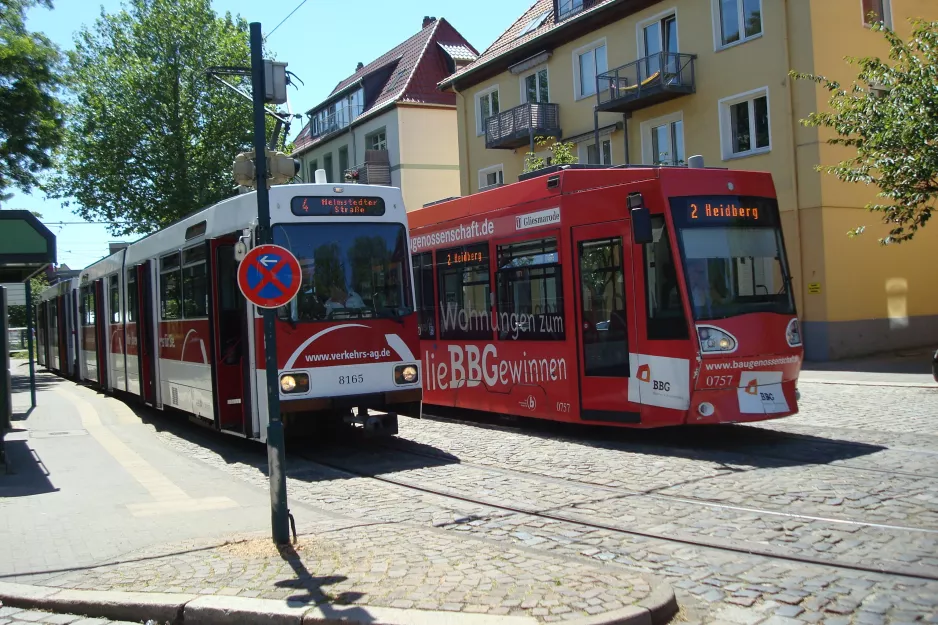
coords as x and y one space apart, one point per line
563 407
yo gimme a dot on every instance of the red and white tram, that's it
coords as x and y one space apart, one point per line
637 296
164 318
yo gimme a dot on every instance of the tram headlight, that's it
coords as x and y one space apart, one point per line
405 374
793 333
294 383
715 340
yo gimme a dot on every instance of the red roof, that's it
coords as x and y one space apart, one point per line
416 68
534 23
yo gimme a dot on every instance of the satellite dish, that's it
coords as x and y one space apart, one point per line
240 250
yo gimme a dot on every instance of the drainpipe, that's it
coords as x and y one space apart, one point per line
463 158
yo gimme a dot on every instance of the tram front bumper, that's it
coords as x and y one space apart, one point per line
742 405
405 402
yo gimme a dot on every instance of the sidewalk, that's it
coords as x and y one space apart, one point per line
912 367
99 505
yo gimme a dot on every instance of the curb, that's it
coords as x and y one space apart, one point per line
177 609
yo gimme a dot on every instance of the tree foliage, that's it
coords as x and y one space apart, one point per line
152 137
890 117
31 120
561 154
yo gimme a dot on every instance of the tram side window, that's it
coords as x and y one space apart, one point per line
194 283
423 283
114 298
530 291
170 291
665 313
131 295
465 291
87 305
602 301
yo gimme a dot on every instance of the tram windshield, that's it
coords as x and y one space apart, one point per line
350 271
733 256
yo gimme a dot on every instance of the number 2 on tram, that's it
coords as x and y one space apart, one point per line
638 297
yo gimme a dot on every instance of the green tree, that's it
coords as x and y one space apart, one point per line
151 137
890 117
560 154
17 314
31 119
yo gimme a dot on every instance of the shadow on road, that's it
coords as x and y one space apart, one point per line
27 474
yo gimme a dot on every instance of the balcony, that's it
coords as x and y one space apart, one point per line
651 80
568 8
518 126
327 124
375 170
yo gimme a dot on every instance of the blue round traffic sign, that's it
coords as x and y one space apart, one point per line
269 276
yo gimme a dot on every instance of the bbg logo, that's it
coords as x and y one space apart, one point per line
644 374
659 385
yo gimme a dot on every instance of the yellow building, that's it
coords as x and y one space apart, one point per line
657 82
388 123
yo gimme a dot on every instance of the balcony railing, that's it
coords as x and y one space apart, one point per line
375 170
647 81
326 125
568 8
518 126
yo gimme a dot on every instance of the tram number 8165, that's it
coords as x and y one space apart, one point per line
351 379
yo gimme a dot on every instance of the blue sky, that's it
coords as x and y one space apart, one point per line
322 42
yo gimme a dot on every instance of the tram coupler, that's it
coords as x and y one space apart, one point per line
375 424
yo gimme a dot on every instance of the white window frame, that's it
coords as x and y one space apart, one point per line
368 137
599 43
645 131
726 138
480 123
887 14
640 29
582 149
489 170
523 77
718 26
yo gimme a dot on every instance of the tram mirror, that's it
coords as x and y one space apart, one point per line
641 219
240 251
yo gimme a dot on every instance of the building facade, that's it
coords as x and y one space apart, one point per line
659 81
389 124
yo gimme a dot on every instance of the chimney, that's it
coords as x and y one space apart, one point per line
427 20
360 66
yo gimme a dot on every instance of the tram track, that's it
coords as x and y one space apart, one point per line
618 490
782 459
716 543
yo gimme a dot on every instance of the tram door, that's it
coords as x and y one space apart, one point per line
146 347
229 342
61 304
102 343
605 313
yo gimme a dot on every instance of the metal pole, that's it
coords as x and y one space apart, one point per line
29 342
276 455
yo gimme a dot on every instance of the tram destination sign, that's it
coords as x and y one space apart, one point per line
332 206
710 211
724 210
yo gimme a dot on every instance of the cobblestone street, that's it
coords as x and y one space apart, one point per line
830 516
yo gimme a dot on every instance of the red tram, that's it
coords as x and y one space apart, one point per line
638 296
164 319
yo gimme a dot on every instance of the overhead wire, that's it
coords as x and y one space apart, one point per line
285 19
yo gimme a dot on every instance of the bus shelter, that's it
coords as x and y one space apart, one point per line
27 248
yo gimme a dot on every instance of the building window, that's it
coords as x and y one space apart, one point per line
194 283
588 63
530 291
313 166
534 87
665 312
491 176
487 106
327 165
881 12
423 287
377 140
343 161
657 45
737 20
744 124
589 155
170 288
663 140
465 287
